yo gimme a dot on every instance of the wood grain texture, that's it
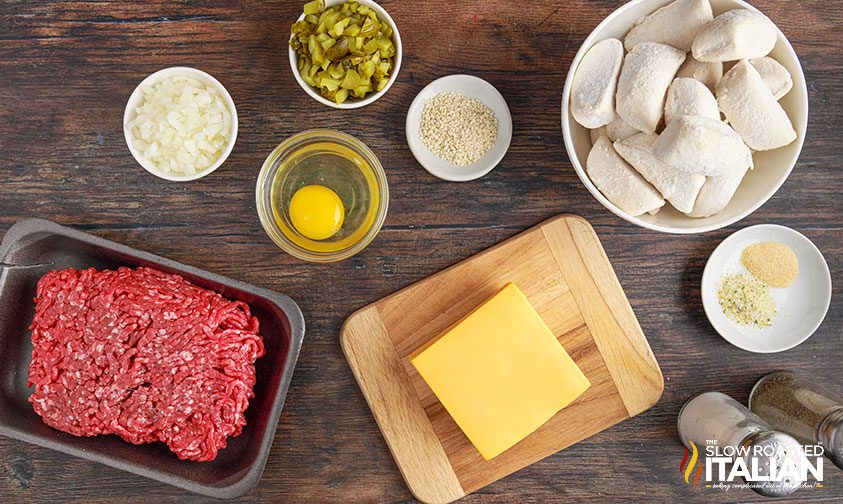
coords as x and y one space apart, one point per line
562 269
400 416
68 67
607 312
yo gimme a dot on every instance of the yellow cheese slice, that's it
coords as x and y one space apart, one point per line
500 372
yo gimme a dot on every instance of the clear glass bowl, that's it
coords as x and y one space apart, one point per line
359 181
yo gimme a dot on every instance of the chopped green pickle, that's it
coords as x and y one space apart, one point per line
314 7
344 51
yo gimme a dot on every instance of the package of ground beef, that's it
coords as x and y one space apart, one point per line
142 354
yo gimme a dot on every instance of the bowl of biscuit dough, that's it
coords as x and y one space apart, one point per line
685 116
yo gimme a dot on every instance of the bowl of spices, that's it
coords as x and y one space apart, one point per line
345 54
322 195
766 288
459 128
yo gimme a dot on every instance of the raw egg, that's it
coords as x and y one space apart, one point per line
316 212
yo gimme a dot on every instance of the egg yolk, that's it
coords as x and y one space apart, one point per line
316 212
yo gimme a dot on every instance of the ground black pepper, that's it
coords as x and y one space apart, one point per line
803 409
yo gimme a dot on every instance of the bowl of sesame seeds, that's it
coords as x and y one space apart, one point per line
459 128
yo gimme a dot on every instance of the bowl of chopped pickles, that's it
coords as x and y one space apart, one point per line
345 54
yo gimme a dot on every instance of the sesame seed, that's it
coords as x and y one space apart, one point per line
458 129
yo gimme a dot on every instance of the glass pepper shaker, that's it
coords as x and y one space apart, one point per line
803 409
716 418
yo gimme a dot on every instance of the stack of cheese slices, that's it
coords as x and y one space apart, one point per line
667 125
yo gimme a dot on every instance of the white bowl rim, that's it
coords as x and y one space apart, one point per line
399 56
801 128
734 236
472 175
160 75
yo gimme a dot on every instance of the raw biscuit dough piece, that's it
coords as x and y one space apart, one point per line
717 192
734 35
701 146
596 133
595 82
707 72
774 74
622 185
646 74
752 110
678 187
615 130
690 97
619 130
675 24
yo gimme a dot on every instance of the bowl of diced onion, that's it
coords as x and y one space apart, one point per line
314 11
180 124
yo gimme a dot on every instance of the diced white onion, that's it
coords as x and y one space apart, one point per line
182 126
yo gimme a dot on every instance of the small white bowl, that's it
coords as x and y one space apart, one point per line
802 306
771 168
137 97
352 103
473 87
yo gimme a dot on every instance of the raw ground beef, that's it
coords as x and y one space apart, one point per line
144 355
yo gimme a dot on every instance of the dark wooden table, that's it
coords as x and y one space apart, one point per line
67 68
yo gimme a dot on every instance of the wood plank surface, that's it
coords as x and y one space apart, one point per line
67 68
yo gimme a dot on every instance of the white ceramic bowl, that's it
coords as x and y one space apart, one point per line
352 103
771 168
802 306
473 87
136 98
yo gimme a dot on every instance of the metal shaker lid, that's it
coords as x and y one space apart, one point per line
830 436
773 442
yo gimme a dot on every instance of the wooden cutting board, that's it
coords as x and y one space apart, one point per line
562 268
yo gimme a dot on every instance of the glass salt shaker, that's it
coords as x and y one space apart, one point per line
803 409
715 418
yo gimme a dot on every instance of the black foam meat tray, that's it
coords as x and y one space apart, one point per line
238 467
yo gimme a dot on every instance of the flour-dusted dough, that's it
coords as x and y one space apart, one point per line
678 187
675 24
775 76
707 72
619 130
646 74
615 130
596 133
701 146
690 97
734 35
752 110
717 192
595 82
622 185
